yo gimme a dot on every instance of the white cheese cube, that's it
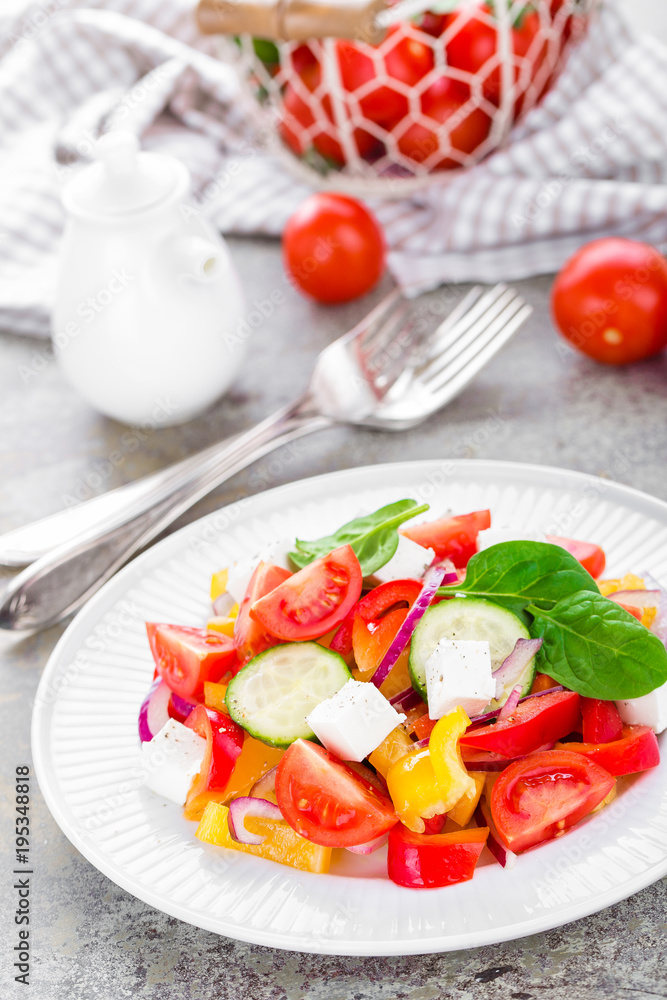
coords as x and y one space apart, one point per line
354 721
493 536
409 562
458 672
171 760
240 572
649 710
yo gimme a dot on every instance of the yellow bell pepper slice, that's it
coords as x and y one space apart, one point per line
219 583
282 844
443 746
252 763
627 582
462 812
223 624
392 748
415 791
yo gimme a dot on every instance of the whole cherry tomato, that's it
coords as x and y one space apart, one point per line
610 300
333 248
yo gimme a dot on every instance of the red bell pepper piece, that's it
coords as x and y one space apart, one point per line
372 606
601 721
534 722
423 860
224 742
636 750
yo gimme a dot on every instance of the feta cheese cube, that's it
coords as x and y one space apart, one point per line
493 536
409 562
354 721
458 672
649 710
171 760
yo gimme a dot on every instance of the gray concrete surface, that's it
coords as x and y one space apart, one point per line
534 403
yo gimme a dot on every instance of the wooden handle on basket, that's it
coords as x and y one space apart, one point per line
294 20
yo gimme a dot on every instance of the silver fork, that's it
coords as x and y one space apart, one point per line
384 373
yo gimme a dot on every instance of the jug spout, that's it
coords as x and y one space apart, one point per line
194 258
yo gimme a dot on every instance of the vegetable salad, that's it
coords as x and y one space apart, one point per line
433 687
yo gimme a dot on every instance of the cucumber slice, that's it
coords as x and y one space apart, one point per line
468 618
271 697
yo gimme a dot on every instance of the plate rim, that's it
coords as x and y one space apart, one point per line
286 940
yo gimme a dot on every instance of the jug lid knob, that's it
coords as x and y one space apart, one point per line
123 180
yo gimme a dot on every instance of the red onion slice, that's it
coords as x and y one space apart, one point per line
154 714
371 846
222 605
405 700
432 581
636 598
659 624
265 785
247 806
182 706
507 710
504 857
514 665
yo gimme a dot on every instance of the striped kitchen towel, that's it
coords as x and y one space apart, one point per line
590 161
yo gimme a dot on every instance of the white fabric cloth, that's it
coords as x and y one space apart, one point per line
590 161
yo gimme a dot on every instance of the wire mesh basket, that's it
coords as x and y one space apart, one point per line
438 92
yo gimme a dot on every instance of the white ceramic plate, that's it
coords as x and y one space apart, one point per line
85 734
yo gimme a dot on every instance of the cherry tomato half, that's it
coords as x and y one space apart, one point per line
314 600
452 538
610 301
249 636
327 802
591 556
333 248
537 798
187 657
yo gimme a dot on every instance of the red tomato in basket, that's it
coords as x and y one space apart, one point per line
327 801
610 300
448 103
407 62
541 796
300 127
314 600
473 48
333 248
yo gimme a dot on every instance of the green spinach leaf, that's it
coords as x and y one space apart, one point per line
595 647
373 537
516 574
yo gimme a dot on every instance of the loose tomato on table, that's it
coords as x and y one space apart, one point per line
188 657
541 796
432 860
610 300
591 556
533 723
250 638
453 537
636 750
327 802
333 248
313 601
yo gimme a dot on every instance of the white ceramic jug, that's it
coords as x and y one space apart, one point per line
148 302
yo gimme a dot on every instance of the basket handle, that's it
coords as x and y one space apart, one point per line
294 20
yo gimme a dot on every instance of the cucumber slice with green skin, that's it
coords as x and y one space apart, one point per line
469 618
272 695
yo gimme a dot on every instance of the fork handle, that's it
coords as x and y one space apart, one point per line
61 581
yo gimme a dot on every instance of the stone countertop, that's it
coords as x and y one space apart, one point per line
536 402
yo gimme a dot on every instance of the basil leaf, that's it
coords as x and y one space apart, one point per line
515 574
595 647
373 537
